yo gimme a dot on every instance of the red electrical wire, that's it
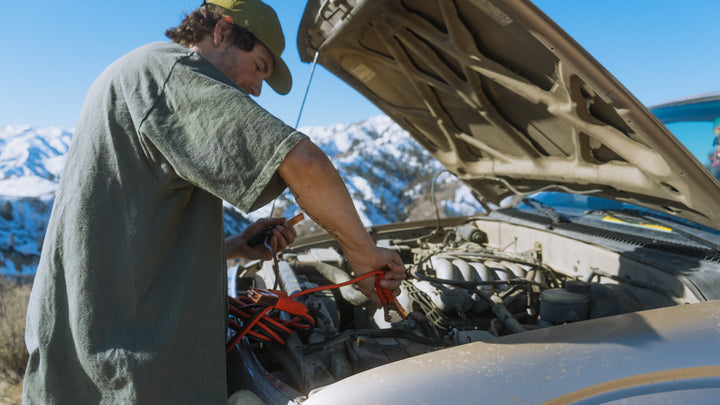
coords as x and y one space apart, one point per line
264 327
343 284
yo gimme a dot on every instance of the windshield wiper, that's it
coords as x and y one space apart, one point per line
546 210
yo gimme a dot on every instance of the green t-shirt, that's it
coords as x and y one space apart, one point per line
129 301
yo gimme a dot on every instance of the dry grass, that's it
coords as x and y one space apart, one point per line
13 354
10 394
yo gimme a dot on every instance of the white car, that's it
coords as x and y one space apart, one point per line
592 277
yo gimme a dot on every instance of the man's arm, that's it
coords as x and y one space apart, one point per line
322 195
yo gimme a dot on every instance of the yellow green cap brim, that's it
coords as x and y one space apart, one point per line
280 79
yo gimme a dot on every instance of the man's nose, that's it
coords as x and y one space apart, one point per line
256 87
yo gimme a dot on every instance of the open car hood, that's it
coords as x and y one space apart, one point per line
507 101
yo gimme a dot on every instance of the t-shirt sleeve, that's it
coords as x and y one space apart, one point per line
216 137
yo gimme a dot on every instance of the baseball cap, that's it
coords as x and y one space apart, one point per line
260 19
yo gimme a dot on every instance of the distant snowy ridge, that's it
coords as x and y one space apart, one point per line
31 160
385 170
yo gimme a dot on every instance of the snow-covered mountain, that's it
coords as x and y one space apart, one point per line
387 173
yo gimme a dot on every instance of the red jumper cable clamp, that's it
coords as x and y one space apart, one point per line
278 299
388 300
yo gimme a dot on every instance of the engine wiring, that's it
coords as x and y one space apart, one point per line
432 196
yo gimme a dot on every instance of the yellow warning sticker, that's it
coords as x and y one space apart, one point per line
609 218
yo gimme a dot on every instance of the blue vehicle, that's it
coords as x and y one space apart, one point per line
695 121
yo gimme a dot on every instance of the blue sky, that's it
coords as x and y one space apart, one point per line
53 50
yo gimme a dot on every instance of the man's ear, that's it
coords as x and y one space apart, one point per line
222 29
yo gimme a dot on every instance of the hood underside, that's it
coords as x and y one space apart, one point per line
507 101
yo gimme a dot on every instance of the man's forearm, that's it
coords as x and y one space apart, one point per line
322 194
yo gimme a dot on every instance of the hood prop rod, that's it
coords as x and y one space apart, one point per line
307 88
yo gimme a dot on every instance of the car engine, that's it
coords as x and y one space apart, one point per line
462 286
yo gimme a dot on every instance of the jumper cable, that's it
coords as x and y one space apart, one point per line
254 309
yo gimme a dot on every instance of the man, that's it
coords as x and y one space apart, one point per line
129 301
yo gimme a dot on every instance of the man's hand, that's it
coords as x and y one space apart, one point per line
378 258
283 235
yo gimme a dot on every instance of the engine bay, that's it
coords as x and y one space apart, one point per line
473 280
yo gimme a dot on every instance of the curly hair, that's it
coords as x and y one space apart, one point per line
201 22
